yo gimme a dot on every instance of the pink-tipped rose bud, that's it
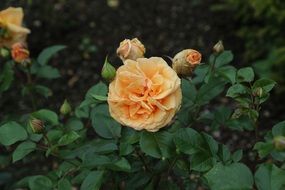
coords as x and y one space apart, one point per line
185 61
37 125
20 53
131 49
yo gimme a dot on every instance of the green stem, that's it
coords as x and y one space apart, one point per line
30 85
143 161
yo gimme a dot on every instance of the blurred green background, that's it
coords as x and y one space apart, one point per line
252 29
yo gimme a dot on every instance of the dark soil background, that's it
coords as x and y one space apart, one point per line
93 29
164 26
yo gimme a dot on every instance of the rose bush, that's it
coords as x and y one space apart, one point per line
93 145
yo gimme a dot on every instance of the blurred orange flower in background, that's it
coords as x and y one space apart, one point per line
11 29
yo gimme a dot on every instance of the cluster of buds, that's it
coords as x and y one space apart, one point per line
183 63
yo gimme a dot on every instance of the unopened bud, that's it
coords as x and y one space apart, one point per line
108 71
131 49
20 53
219 47
258 92
37 125
279 142
4 52
186 61
65 108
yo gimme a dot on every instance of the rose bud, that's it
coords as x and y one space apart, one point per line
185 61
131 49
279 142
37 125
20 53
65 108
108 71
218 47
258 92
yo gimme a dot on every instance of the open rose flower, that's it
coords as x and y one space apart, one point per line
11 29
145 94
185 61
131 49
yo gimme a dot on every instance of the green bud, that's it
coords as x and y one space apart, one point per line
219 47
65 108
108 71
4 52
258 92
279 142
37 125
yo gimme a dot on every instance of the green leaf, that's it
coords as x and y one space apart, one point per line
228 72
224 153
245 74
237 155
100 98
68 138
103 123
120 165
40 182
266 84
6 77
188 141
158 144
93 181
74 124
224 58
64 184
269 177
209 91
235 176
48 52
48 72
236 90
99 89
264 148
189 91
279 129
46 115
11 133
43 90
23 150
202 161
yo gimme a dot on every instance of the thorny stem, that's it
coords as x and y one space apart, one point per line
172 164
30 83
143 160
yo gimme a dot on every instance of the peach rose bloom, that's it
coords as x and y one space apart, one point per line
131 49
20 53
185 61
11 25
145 94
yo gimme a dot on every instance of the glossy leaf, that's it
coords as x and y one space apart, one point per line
11 133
